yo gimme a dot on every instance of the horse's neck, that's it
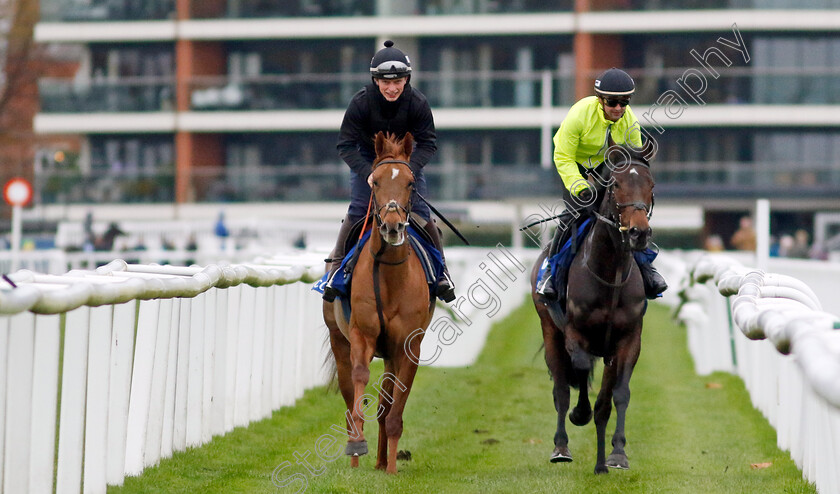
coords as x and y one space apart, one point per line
605 252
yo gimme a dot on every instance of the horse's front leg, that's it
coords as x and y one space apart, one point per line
362 347
603 409
625 362
386 394
341 351
582 366
404 371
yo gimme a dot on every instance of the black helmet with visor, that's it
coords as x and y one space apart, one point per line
615 83
390 63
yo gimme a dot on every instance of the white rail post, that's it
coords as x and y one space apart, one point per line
96 412
762 229
72 421
4 361
122 355
44 402
19 391
160 371
141 387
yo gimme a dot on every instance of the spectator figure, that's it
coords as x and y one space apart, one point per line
744 237
800 249
714 243
90 237
221 230
785 245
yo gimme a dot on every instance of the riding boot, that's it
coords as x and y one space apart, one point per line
654 282
445 289
336 257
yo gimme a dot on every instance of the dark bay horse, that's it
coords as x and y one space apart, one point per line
604 309
390 300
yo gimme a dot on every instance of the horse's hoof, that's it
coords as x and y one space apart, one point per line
580 418
618 461
599 469
357 448
561 454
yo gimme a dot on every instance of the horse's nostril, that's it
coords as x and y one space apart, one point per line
635 232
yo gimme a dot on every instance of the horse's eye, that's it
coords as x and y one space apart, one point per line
411 185
375 183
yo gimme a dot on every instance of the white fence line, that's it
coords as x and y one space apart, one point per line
795 382
156 359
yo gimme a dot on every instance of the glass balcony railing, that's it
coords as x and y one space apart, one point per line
352 8
332 91
106 10
122 95
330 182
721 4
741 85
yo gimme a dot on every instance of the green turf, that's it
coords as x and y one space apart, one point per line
489 428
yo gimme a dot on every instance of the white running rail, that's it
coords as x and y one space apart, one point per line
154 359
794 376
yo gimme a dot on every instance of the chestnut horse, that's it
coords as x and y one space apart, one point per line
604 309
390 301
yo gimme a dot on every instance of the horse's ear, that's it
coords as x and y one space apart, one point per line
610 141
408 143
379 143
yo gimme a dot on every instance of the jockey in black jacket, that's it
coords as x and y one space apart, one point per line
388 104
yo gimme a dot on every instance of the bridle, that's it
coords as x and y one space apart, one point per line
614 216
614 220
392 205
377 256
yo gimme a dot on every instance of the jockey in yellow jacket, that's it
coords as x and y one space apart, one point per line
579 147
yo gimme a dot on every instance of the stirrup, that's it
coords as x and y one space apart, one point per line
654 283
331 293
445 289
546 288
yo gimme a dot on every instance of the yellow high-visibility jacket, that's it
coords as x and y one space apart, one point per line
582 140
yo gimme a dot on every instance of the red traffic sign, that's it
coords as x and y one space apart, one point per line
18 192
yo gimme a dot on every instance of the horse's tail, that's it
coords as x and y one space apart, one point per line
329 365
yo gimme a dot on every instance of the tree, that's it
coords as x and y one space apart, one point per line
21 68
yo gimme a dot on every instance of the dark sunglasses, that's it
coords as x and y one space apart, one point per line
616 102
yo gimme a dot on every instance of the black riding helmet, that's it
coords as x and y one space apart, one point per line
614 82
390 63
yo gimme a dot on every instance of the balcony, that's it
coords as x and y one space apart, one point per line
240 9
106 10
137 94
255 182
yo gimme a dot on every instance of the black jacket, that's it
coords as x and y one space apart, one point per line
369 113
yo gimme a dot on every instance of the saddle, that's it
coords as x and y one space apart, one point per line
421 242
561 253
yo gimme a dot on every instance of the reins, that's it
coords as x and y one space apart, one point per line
377 256
622 243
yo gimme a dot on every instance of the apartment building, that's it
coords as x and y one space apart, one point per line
240 100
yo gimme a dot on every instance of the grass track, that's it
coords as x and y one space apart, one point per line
489 428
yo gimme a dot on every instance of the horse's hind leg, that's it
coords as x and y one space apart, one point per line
625 362
362 348
558 363
386 397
